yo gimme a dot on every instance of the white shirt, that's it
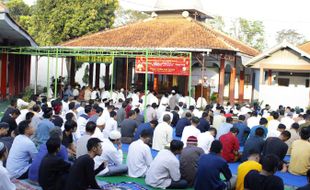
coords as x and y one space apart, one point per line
252 122
164 168
161 119
22 116
218 120
110 125
197 113
23 150
75 92
273 133
21 103
162 136
287 121
139 159
5 182
164 101
273 125
204 141
81 124
110 154
98 134
189 131
93 95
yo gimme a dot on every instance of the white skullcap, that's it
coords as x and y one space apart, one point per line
100 121
114 135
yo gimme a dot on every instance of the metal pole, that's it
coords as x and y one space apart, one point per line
112 76
48 75
127 75
56 75
145 85
36 76
190 77
202 77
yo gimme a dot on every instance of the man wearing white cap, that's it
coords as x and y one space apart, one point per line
113 155
173 101
98 131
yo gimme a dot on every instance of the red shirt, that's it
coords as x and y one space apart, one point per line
230 145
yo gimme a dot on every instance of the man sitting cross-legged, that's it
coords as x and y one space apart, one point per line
114 156
139 155
164 171
53 169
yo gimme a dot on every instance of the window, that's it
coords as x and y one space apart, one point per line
307 83
283 81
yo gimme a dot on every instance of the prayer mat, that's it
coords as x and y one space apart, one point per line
124 186
24 185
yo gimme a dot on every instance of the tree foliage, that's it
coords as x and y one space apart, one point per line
55 21
51 22
127 16
18 9
291 36
217 23
250 32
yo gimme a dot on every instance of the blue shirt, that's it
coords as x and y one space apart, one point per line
141 127
210 166
223 129
252 133
203 125
181 124
243 132
22 152
256 143
33 173
43 130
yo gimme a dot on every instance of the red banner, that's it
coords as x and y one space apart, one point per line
164 66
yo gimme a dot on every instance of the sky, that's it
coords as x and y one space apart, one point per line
275 14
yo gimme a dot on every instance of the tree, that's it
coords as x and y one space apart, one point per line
127 16
217 23
249 32
56 21
18 9
291 36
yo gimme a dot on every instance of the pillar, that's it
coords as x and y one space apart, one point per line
91 74
3 74
11 69
269 77
241 86
221 80
232 83
107 76
261 76
155 86
97 80
72 71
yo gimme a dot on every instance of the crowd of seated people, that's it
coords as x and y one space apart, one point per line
64 143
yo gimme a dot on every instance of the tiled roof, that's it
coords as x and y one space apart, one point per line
305 47
164 33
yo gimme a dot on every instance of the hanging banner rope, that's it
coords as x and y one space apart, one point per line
164 66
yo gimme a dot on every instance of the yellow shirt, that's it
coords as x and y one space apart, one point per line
244 169
300 157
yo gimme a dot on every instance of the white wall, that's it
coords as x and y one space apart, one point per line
286 96
211 73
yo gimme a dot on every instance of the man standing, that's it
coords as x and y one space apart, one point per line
164 171
113 155
189 160
230 145
210 166
139 156
82 173
162 134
